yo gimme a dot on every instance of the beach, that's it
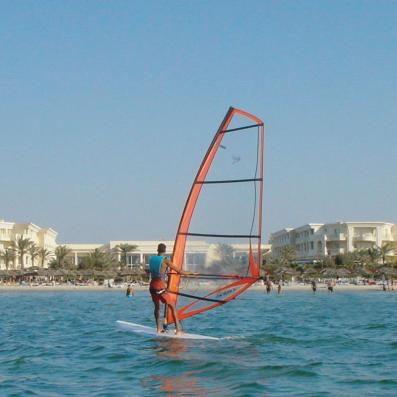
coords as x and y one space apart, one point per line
321 287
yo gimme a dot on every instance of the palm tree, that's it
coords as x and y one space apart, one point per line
225 252
94 260
350 261
60 254
22 245
125 249
287 255
266 255
8 255
44 254
33 252
374 254
361 257
384 250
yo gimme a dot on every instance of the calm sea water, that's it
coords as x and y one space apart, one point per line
297 344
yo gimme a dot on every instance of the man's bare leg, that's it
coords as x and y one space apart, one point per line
177 323
157 316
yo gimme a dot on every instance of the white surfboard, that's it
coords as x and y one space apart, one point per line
144 330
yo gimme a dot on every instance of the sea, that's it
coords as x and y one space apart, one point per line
292 344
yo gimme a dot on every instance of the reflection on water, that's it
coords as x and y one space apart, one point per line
174 351
185 384
170 348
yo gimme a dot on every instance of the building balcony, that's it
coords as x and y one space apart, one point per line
364 237
338 237
335 251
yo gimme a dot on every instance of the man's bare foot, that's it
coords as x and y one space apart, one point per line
179 332
160 330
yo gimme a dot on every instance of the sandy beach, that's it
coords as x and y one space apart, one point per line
258 288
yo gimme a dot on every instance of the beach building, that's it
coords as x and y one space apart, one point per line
41 237
195 254
317 240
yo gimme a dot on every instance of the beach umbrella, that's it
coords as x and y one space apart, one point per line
42 272
364 272
310 271
280 270
343 272
329 272
290 272
387 271
127 273
88 273
110 274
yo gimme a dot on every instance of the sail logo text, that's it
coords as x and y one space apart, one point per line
227 292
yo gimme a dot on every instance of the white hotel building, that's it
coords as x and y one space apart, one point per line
316 240
195 253
42 237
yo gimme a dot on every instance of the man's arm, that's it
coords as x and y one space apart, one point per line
168 263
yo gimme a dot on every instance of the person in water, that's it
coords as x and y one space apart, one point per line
279 285
129 291
158 265
268 283
314 285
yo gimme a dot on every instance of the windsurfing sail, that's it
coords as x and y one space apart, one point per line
219 234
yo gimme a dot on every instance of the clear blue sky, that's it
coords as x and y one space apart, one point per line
108 107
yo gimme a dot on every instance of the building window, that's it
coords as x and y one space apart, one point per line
133 259
311 245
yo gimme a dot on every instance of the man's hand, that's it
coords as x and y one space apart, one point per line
190 273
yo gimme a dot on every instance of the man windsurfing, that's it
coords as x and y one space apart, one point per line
158 265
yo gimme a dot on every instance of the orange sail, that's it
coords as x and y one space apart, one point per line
223 213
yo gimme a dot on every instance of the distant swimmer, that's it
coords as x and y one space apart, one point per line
268 286
314 285
279 285
158 265
130 292
330 286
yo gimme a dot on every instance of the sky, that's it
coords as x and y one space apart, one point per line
107 108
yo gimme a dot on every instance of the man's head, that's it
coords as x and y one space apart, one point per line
161 248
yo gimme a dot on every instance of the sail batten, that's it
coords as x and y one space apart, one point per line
231 181
220 235
242 128
224 202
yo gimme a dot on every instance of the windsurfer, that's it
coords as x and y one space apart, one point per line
158 265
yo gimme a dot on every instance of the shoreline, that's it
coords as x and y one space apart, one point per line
257 288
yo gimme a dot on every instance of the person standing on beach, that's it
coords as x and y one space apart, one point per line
314 285
330 285
158 265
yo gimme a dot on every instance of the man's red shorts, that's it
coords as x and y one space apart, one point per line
158 290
